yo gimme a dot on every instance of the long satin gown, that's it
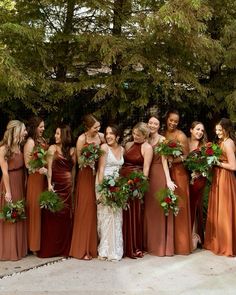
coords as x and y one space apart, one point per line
220 235
56 229
110 220
13 236
133 216
158 228
36 184
84 238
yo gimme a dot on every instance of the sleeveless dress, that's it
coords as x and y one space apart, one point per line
133 216
84 237
220 235
36 184
158 228
182 222
110 221
13 236
56 229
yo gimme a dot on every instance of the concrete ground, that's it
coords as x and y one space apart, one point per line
199 273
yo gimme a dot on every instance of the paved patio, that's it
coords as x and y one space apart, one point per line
199 273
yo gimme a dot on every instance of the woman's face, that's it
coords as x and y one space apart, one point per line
95 128
153 125
111 138
172 122
58 136
197 132
220 132
23 133
40 129
138 136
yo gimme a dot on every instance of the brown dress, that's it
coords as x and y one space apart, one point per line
133 216
13 237
158 228
220 235
84 237
56 227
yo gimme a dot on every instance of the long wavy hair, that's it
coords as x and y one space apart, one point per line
32 126
66 140
227 126
12 137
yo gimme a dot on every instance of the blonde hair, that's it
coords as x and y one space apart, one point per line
143 128
12 136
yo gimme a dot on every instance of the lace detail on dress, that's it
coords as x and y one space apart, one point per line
110 221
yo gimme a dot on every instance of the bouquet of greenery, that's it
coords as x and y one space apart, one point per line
111 192
51 201
168 201
135 185
38 159
200 161
169 148
90 154
13 212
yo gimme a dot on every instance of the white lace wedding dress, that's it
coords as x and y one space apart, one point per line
110 221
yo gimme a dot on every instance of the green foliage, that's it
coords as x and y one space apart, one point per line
51 201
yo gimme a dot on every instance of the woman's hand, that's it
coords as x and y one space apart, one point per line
43 170
8 197
171 185
50 188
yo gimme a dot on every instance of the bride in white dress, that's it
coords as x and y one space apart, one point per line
110 220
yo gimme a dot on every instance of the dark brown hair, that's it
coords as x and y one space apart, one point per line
66 140
89 120
32 126
203 140
227 125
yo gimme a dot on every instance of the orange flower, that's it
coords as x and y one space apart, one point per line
130 182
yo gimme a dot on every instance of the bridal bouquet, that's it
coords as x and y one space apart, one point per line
38 159
13 212
169 148
112 193
51 201
168 201
135 185
200 161
90 153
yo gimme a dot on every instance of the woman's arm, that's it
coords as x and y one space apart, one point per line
183 140
51 152
102 163
170 184
147 153
79 145
28 148
229 148
5 174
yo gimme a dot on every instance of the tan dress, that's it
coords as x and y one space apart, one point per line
158 228
13 237
220 235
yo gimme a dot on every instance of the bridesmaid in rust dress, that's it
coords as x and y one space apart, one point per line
158 228
56 227
84 239
137 157
13 237
182 222
36 183
220 235
196 189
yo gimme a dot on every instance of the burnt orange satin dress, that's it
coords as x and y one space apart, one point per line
13 236
220 235
158 228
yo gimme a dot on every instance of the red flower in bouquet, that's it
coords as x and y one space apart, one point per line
169 148
111 193
13 211
168 201
38 159
136 185
209 151
90 154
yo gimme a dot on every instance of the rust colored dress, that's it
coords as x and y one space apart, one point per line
220 235
56 228
133 216
84 238
182 222
13 236
36 184
158 228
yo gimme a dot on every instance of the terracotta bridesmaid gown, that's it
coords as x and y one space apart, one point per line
158 228
13 236
220 235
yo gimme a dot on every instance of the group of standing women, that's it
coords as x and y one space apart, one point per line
85 228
